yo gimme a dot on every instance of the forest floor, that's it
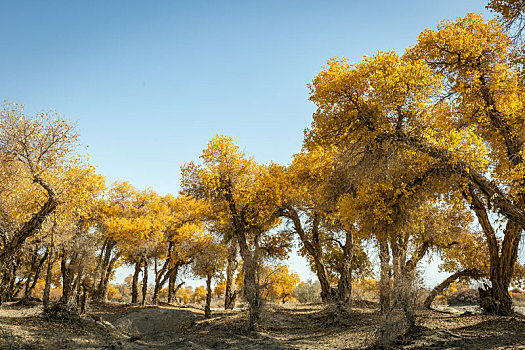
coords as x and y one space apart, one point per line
289 326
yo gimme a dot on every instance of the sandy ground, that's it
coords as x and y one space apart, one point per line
114 326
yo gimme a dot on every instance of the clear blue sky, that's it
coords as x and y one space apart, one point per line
149 83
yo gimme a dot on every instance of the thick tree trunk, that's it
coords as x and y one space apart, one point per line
207 308
135 283
495 299
251 287
344 287
327 292
230 294
251 290
145 282
69 300
174 271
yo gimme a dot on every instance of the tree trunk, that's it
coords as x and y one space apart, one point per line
160 279
135 283
385 275
145 282
37 273
229 293
314 249
27 284
443 285
495 299
251 288
207 308
10 250
69 300
344 287
106 270
49 274
177 289
171 283
83 300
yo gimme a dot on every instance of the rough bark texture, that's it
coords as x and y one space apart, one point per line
230 294
207 308
495 299
135 283
251 287
344 287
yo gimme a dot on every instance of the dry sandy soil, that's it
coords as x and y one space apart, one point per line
114 326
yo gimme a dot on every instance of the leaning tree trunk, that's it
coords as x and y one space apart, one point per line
474 273
37 274
314 249
10 250
135 283
207 308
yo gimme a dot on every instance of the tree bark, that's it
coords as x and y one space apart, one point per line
134 284
344 287
49 272
145 281
314 249
171 283
495 299
229 293
207 308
